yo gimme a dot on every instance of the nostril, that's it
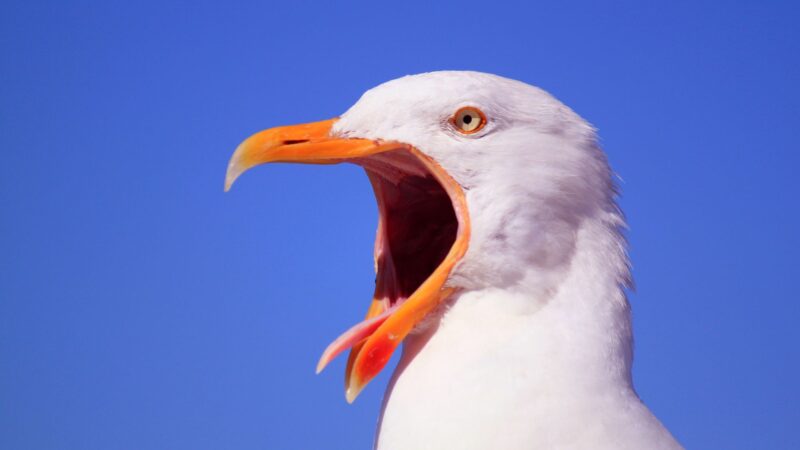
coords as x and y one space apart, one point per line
294 141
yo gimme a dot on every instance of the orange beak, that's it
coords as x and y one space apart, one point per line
387 322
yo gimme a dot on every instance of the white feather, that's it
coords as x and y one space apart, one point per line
536 350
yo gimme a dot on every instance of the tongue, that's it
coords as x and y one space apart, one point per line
352 336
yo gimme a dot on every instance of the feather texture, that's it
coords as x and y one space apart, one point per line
535 351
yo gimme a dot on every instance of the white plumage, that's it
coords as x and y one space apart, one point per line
499 259
535 350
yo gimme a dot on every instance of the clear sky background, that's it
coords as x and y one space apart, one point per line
142 308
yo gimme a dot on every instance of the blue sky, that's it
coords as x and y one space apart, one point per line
140 307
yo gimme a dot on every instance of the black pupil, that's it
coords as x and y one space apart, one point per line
467 119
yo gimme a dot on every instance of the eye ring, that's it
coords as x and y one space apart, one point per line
468 120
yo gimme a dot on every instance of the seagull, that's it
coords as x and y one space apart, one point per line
501 267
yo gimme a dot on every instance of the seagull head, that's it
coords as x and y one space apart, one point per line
481 183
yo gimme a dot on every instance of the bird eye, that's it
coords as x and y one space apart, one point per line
468 120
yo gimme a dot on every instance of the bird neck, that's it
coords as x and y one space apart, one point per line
525 352
573 314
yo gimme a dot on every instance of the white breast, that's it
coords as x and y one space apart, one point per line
501 370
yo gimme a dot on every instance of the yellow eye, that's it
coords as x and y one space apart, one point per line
468 120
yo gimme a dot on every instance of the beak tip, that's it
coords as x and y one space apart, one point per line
353 390
232 174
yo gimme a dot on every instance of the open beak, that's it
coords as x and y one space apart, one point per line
423 231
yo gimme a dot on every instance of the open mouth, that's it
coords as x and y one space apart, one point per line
423 231
417 227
